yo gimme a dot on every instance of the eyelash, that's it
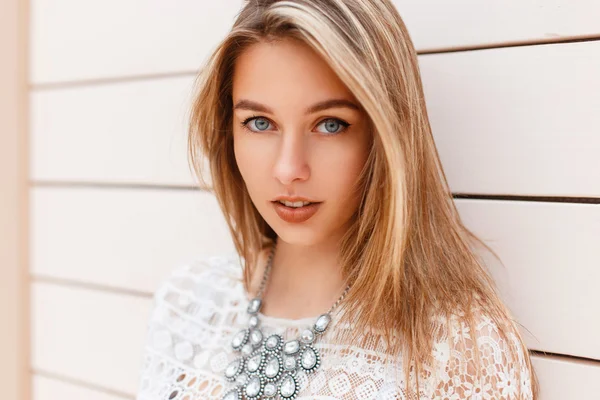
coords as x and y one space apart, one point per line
344 124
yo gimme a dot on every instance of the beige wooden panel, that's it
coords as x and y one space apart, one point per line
53 389
503 122
562 379
124 38
90 336
14 199
133 132
519 120
551 255
441 24
75 40
126 238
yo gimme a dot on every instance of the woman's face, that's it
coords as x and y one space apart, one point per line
298 132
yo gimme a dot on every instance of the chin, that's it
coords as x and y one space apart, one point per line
298 235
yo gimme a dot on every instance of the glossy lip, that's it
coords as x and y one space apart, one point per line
295 215
294 199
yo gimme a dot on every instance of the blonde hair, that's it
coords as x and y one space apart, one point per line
407 253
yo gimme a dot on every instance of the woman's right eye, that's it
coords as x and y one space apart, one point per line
260 124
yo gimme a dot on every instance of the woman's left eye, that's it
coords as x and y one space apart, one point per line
333 125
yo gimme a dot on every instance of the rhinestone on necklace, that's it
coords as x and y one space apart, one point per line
269 366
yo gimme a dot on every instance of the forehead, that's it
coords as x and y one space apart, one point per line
272 71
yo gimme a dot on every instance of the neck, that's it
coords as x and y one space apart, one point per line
305 281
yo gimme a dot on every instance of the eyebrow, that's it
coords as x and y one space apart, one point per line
323 105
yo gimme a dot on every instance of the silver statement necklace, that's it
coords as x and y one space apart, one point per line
268 367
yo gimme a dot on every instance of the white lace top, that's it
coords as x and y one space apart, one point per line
203 304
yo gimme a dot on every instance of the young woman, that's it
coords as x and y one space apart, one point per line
354 277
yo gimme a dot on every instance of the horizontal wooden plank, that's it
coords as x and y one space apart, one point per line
518 120
124 238
88 335
73 40
439 24
132 132
53 389
551 253
502 121
119 38
562 379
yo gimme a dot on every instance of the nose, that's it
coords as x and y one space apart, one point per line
291 163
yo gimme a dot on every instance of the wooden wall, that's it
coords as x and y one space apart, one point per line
14 198
513 92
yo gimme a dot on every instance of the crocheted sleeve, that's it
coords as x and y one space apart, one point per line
188 316
503 377
160 366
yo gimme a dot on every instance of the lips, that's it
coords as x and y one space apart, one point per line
295 215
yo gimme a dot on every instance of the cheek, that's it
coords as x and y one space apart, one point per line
251 161
341 170
242 157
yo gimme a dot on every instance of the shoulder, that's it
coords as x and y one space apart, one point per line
208 274
191 308
196 293
192 305
462 349
193 274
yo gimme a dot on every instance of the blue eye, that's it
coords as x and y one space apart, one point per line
260 124
333 125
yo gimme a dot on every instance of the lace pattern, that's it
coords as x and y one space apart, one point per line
198 309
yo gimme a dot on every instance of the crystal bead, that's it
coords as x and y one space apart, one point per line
270 390
239 339
272 367
233 368
254 363
288 387
322 323
309 358
247 349
289 363
291 347
232 395
254 306
253 321
272 342
253 387
256 337
307 336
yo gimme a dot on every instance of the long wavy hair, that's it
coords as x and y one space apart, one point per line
407 254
